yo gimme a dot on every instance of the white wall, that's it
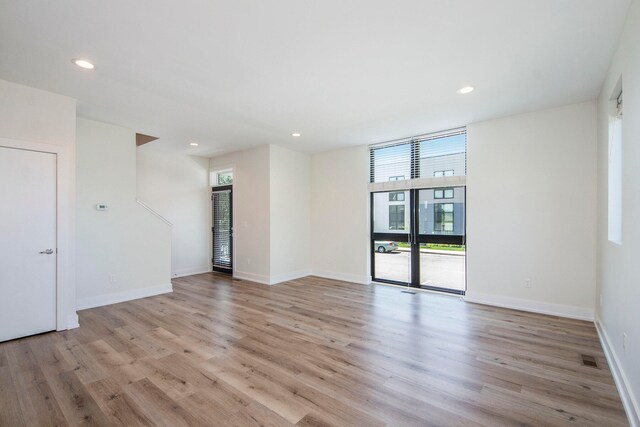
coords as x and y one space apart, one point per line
340 214
30 116
531 201
618 285
251 209
290 207
177 187
125 252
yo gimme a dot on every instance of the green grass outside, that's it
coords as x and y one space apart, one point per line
436 246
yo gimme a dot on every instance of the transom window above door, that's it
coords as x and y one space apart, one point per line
224 177
443 154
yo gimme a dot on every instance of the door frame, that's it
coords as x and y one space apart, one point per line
213 170
414 238
222 188
66 316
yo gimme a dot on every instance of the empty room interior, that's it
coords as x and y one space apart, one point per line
320 213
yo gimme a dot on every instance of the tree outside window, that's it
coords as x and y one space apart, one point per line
225 178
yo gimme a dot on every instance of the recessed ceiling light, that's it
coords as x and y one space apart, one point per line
295 134
193 144
82 63
466 89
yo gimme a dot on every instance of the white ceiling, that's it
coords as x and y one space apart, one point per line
241 73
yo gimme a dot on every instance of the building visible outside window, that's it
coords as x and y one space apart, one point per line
224 178
397 196
448 172
443 193
396 217
443 217
396 178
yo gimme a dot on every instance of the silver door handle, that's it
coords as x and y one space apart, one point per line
47 252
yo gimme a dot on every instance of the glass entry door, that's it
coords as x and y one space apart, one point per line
390 220
222 229
420 240
440 239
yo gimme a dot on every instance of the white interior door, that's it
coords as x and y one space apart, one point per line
27 243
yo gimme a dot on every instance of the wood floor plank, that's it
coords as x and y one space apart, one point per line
38 404
310 352
10 412
119 408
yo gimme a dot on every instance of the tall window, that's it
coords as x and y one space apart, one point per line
615 174
426 156
396 217
443 217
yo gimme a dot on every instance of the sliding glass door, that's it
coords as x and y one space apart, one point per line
418 238
391 219
440 244
418 216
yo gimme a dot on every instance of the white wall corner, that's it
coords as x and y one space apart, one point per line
117 297
285 277
540 307
72 321
190 271
252 277
629 401
344 277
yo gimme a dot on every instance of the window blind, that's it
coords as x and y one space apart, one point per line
437 155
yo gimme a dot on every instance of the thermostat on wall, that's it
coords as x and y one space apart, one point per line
102 207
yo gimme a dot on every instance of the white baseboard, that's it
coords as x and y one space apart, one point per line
116 297
629 401
183 272
530 305
251 277
279 278
269 280
345 277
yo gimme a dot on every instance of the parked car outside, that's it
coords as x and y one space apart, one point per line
385 246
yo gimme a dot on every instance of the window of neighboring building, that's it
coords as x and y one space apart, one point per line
396 178
396 217
397 196
443 193
443 217
448 172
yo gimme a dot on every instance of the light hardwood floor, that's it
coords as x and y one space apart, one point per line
310 352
